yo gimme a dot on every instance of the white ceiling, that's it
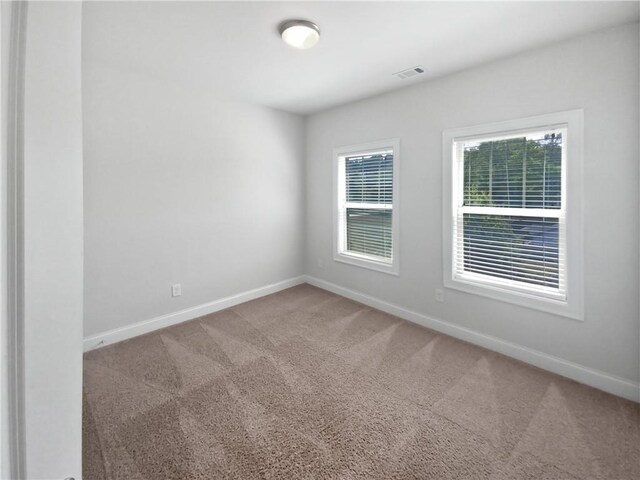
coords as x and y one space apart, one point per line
234 47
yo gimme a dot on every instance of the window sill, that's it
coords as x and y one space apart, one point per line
535 302
359 261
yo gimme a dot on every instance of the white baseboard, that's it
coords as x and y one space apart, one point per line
597 379
146 326
594 378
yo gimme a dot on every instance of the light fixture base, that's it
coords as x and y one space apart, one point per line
300 34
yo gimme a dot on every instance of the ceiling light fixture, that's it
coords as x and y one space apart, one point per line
300 34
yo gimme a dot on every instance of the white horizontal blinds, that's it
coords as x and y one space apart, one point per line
523 249
368 205
509 223
369 232
521 172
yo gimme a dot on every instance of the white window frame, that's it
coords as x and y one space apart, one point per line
570 237
340 254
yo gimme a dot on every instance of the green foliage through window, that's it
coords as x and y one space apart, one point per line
517 172
523 173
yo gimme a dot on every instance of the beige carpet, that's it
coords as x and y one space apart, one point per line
304 384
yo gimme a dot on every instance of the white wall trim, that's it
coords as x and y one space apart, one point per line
609 383
150 325
13 245
603 381
567 304
340 253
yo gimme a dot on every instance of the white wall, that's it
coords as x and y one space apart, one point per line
53 241
182 186
599 73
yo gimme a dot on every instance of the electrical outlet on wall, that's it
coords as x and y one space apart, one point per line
176 290
439 295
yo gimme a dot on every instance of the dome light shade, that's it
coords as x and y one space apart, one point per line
300 34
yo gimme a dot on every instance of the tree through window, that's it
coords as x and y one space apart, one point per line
522 173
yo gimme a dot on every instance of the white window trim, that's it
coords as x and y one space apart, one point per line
572 305
351 258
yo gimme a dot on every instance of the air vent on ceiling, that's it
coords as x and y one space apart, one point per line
410 72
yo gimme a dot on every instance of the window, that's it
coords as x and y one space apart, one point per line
366 215
512 212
